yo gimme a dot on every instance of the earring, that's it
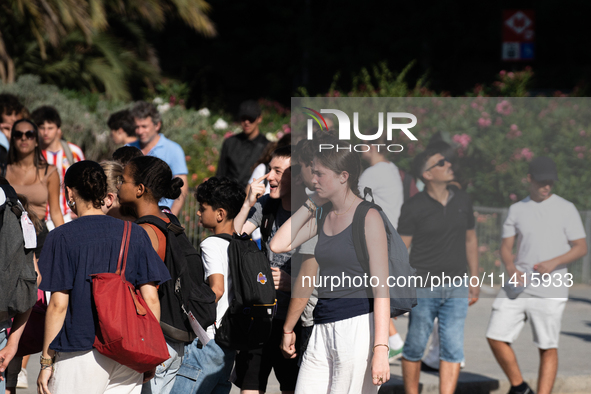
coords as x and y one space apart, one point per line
102 202
71 204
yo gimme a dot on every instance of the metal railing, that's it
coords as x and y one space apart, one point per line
489 229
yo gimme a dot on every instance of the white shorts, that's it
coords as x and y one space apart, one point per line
90 372
509 316
338 358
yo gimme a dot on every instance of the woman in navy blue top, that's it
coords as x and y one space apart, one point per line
347 351
74 251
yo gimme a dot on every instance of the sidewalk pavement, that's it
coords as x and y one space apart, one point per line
482 374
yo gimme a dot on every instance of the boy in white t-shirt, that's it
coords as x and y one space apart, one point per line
550 235
207 369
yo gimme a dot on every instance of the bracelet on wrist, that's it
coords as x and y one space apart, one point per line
380 344
287 332
46 361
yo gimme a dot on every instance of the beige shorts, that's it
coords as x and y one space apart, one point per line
90 372
509 316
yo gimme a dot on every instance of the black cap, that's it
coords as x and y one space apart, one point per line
543 169
250 109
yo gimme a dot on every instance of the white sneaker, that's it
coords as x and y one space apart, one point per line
22 382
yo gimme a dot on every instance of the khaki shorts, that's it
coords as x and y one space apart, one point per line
509 316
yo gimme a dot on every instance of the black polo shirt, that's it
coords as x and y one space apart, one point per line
438 232
239 155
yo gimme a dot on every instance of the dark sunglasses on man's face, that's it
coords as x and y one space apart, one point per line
244 118
18 135
440 163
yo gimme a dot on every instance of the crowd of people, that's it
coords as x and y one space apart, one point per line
301 204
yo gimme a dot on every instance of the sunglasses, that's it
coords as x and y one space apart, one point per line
18 135
440 163
244 118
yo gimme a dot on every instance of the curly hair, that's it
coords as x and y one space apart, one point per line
88 178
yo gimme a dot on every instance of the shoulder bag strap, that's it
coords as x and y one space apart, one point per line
67 151
123 251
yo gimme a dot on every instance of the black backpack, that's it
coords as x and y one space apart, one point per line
18 279
403 298
187 292
247 322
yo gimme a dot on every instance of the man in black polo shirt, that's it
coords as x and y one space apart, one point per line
439 223
241 151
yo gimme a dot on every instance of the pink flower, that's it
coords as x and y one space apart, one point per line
482 122
582 133
514 127
511 75
280 135
502 73
194 177
228 134
504 108
525 152
581 156
513 197
187 158
463 139
211 168
203 132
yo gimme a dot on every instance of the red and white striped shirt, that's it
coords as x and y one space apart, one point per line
60 160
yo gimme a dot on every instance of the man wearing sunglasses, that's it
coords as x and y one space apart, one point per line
241 151
439 223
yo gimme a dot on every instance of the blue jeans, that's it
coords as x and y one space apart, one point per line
166 372
206 370
3 342
450 305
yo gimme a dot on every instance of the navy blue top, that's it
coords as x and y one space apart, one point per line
85 246
336 257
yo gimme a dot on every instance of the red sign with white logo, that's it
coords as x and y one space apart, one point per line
518 35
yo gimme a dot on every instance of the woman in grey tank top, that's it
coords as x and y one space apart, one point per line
347 351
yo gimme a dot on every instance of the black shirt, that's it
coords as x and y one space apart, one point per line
438 232
238 156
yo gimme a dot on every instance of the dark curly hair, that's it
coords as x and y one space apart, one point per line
222 193
156 176
47 113
89 180
9 104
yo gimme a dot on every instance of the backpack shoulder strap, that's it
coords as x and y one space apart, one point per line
324 211
227 237
359 232
155 221
269 213
67 151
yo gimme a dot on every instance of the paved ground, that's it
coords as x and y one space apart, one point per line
482 374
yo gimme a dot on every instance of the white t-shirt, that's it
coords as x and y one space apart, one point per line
543 231
214 252
386 185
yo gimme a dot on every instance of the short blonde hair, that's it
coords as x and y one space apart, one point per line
113 171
